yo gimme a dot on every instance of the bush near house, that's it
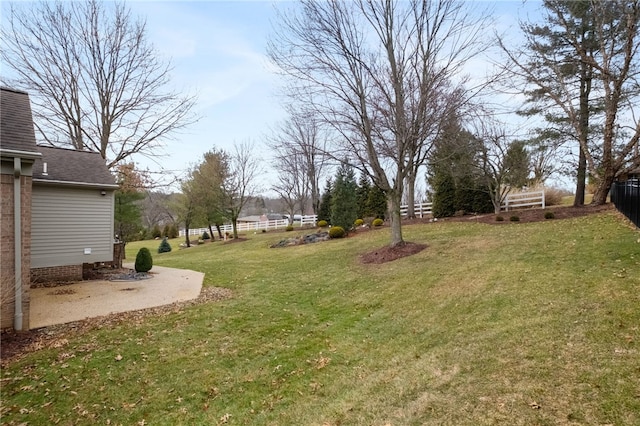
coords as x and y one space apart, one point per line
144 262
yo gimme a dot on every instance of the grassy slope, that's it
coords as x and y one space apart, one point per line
511 324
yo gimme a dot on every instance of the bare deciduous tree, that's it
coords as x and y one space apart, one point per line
240 184
300 146
291 185
373 69
95 82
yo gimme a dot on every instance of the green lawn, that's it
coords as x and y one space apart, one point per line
514 324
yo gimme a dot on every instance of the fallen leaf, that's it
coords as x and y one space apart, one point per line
119 358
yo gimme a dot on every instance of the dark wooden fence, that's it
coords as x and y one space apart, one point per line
626 197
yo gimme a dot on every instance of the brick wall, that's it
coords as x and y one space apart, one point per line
56 274
7 264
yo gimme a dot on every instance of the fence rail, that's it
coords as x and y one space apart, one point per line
524 199
512 201
256 226
626 197
420 209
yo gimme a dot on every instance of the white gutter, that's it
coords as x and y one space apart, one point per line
17 230
78 184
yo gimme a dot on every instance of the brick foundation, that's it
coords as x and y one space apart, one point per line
56 274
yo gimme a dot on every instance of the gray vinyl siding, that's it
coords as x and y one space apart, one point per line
68 220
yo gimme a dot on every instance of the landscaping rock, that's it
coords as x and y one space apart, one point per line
307 239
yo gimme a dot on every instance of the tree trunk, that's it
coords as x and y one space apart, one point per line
211 232
219 231
600 196
234 223
411 199
393 203
186 234
585 90
581 181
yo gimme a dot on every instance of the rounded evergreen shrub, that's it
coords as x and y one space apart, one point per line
514 218
144 262
499 218
205 236
337 232
358 222
165 247
289 228
549 215
377 222
322 223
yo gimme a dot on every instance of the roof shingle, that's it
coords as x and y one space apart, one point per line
16 131
72 166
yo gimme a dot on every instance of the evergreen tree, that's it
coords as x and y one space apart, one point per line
127 211
164 247
324 210
344 205
444 195
377 203
362 195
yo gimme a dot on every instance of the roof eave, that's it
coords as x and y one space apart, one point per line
76 184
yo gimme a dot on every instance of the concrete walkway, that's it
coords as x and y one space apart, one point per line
86 299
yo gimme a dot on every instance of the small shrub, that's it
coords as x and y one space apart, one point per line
337 232
166 231
322 223
514 218
173 231
289 228
205 236
264 231
144 262
165 247
358 222
499 218
549 215
377 222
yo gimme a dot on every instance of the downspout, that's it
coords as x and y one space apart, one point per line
17 229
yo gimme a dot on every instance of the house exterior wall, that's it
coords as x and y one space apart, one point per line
71 226
7 251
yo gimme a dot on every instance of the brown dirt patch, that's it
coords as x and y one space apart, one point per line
388 254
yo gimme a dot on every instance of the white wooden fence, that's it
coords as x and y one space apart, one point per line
309 220
420 209
512 201
524 199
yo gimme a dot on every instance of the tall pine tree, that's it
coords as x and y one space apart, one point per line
344 203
